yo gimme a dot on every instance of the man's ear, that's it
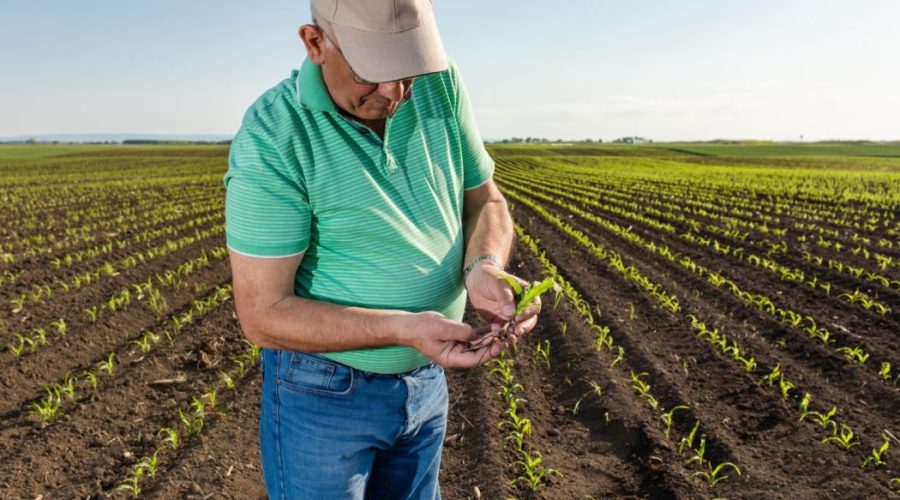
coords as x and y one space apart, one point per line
314 42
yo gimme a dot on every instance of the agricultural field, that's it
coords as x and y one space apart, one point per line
726 327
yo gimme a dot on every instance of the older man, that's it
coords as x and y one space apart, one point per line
360 210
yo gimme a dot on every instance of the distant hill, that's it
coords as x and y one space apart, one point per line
115 138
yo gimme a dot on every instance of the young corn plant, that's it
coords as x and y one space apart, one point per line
699 454
535 474
875 457
824 419
170 437
542 351
133 483
48 408
804 406
687 442
667 418
107 365
712 474
643 388
885 370
845 438
785 386
774 375
524 297
226 380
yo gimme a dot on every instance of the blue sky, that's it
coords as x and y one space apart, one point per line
572 69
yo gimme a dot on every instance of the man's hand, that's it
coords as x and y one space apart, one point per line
446 342
495 301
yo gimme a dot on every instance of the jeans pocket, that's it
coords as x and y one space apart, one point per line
314 374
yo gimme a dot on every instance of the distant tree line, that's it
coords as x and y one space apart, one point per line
544 140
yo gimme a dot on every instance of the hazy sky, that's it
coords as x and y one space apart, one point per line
772 69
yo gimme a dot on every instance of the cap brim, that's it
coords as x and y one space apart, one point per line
385 57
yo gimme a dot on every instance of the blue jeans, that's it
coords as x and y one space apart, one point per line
330 431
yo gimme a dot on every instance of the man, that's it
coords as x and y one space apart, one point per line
360 209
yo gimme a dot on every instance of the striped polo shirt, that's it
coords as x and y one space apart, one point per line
380 221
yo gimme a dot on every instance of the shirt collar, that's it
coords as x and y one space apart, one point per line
311 90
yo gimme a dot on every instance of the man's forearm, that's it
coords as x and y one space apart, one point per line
488 230
299 324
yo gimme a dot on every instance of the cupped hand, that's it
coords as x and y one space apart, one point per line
495 301
446 342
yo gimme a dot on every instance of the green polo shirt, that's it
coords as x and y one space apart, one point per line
380 222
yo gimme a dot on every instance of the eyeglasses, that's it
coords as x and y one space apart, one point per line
356 78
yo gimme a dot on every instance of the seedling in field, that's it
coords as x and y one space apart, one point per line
875 458
688 441
543 351
132 484
885 371
149 463
785 386
824 419
618 357
845 438
48 408
774 375
535 473
804 406
711 475
227 381
667 418
108 365
171 437
699 453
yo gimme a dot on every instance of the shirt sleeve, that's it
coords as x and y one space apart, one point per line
478 166
267 212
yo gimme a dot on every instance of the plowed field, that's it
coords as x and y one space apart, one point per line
720 304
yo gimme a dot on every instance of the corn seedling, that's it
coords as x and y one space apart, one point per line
688 441
885 370
193 426
543 351
171 437
60 326
855 354
711 474
875 457
618 357
524 297
91 379
698 455
48 408
211 398
132 484
92 313
508 392
785 386
149 463
845 438
535 473
774 375
596 388
804 406
824 419
667 418
107 365
227 381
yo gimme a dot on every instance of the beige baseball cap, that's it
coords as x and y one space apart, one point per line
383 40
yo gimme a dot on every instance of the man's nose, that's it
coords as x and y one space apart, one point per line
392 90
